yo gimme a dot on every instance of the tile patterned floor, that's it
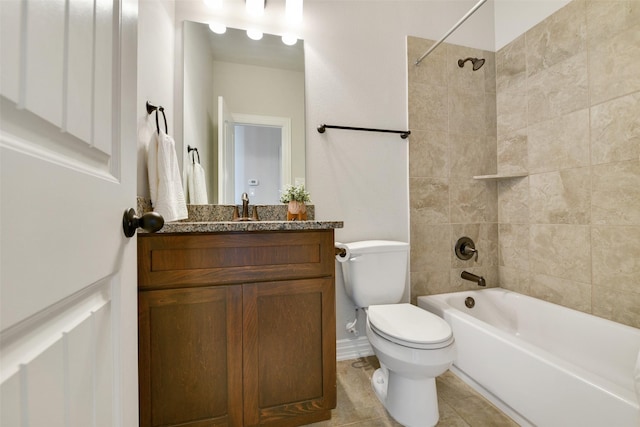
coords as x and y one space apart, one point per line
358 406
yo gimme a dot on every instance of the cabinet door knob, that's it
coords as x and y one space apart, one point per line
151 222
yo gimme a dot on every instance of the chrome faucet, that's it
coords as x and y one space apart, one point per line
472 277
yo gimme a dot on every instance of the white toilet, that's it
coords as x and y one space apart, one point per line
413 346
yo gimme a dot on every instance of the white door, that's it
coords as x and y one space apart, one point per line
68 319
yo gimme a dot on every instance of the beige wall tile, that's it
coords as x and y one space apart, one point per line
615 198
619 306
472 201
489 71
491 115
428 107
562 251
615 130
511 66
614 65
513 201
432 71
560 197
557 38
606 18
513 152
513 246
429 199
558 90
429 283
565 292
560 143
511 110
428 154
514 279
430 246
616 258
471 155
467 113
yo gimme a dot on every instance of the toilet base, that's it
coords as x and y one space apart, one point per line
411 402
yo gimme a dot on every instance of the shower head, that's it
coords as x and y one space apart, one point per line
477 63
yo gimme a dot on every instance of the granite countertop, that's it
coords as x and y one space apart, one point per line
222 226
215 219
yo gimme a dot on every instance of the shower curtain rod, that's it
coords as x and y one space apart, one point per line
455 27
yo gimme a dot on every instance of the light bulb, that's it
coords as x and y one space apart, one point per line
293 11
254 34
218 28
289 39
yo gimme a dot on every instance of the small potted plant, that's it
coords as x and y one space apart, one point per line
296 196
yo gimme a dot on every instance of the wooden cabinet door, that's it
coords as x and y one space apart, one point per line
289 352
190 358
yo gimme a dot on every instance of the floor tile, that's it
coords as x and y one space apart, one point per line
358 406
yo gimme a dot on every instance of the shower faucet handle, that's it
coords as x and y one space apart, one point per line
465 249
471 251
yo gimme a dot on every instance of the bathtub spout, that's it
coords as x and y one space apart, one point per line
472 277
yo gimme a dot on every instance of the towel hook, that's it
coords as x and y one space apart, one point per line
193 157
151 109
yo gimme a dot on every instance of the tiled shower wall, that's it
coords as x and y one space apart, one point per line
452 117
568 113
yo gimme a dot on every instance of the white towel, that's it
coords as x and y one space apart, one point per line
196 184
165 183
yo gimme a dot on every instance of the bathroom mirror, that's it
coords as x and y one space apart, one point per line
244 112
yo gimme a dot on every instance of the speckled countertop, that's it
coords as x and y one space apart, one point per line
215 219
222 226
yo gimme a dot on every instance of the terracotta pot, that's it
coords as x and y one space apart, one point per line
296 211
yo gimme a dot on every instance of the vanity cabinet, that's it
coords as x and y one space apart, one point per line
236 329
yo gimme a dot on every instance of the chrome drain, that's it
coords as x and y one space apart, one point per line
469 302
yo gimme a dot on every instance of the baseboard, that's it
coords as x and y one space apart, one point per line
353 348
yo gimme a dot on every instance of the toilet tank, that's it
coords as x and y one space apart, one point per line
375 272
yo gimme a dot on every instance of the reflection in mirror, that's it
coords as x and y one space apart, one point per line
244 111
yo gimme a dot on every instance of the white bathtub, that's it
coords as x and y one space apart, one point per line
543 364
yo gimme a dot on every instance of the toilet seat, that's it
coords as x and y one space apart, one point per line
409 326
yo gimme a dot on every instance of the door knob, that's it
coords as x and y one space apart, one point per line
151 222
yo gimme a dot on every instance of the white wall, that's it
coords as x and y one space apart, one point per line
514 17
155 74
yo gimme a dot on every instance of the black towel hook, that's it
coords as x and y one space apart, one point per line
151 109
193 157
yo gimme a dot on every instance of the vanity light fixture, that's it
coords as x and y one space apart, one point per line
218 28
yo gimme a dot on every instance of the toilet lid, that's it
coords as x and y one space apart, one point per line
411 326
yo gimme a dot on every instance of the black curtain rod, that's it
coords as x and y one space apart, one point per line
403 133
